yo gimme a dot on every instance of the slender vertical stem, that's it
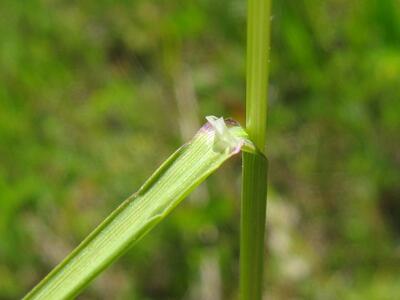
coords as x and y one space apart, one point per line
258 32
254 184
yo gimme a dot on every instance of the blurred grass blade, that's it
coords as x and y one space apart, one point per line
191 164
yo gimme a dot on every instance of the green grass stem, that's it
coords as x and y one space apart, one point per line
254 183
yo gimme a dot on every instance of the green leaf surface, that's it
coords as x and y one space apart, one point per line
183 171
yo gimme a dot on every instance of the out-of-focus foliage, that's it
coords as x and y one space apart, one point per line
89 89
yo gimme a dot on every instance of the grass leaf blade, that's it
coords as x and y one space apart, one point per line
191 164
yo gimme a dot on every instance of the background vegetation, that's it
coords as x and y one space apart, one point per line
95 94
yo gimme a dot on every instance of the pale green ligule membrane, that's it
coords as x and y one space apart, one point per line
181 173
224 139
229 136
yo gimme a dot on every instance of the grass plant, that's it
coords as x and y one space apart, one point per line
191 164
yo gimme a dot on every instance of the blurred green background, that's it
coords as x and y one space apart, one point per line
94 95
